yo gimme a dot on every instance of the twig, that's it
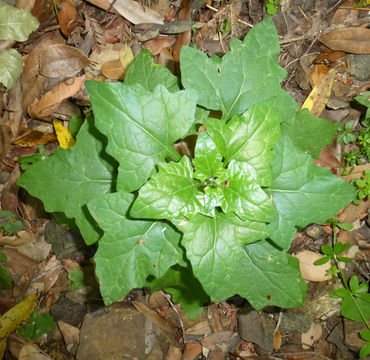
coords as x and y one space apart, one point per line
46 272
168 297
221 42
320 32
245 23
278 322
211 8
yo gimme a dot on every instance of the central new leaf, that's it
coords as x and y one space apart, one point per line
176 190
141 126
249 138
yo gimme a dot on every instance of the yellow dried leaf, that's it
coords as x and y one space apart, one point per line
126 56
11 320
320 94
65 138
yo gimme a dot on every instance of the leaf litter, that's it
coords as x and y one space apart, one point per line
46 89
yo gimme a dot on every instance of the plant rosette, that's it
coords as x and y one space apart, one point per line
203 227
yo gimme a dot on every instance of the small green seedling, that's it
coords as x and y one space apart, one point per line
5 279
9 223
36 326
78 279
346 133
225 26
271 6
355 297
363 186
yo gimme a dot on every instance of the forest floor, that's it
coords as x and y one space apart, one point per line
89 40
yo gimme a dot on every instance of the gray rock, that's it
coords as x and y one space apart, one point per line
121 333
65 243
292 323
359 66
257 328
68 311
315 231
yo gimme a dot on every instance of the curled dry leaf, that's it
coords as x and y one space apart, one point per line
62 60
131 10
155 46
113 70
320 94
67 17
51 100
355 40
311 336
310 271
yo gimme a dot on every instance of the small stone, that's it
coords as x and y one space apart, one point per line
257 328
68 311
315 231
359 66
221 341
292 323
352 334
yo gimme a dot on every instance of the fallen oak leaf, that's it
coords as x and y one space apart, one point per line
355 40
67 17
62 60
320 94
52 99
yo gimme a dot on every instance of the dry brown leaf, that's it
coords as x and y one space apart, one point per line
62 60
358 172
277 340
311 336
155 46
355 40
22 237
319 71
201 328
126 57
4 141
113 70
32 352
51 100
131 10
354 212
182 39
152 316
327 159
67 16
166 59
32 81
342 16
310 271
320 94
71 334
32 138
43 10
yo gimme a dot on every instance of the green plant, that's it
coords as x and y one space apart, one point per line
212 225
363 187
5 279
271 6
355 297
36 326
16 24
9 225
346 133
